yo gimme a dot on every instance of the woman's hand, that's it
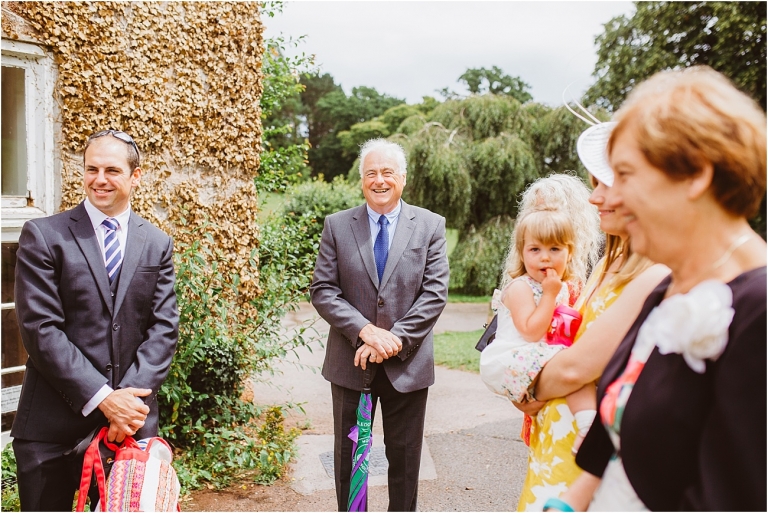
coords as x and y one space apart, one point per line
583 362
579 494
530 408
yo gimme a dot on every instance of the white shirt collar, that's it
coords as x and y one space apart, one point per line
97 216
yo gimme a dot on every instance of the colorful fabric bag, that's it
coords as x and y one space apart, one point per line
141 479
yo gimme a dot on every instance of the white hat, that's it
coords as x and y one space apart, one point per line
591 148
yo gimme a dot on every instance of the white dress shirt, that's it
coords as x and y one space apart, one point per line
97 217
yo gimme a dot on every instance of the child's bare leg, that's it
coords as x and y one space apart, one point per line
582 404
582 399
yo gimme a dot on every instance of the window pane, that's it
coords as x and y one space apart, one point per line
8 260
14 133
13 354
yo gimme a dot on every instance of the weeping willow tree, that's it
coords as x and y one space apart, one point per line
471 159
438 176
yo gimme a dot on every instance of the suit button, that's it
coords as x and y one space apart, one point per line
381 302
115 327
109 366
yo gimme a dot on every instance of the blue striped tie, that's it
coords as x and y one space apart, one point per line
112 254
381 246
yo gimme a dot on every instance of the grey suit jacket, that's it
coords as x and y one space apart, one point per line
346 292
77 335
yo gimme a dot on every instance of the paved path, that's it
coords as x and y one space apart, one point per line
473 458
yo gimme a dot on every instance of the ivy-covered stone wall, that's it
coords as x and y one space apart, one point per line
184 79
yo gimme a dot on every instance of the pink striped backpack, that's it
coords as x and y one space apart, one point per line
141 479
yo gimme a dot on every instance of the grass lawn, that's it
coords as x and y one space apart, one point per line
461 298
456 350
269 202
451 239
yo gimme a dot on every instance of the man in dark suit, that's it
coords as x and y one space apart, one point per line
97 314
381 282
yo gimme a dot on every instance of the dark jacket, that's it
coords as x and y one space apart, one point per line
78 336
694 441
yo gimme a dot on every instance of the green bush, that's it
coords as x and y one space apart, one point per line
204 408
478 259
321 199
276 446
10 493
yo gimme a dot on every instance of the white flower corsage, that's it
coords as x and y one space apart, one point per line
694 325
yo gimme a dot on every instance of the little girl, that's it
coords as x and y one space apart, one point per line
544 244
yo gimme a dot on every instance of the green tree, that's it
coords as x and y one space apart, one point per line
728 36
554 133
471 158
284 147
381 126
495 81
335 112
478 260
315 87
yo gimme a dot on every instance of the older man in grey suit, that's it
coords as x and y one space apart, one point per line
97 314
381 282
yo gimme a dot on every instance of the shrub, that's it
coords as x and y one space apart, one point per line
321 199
476 262
276 446
10 493
203 410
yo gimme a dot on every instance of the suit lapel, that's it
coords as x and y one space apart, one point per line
405 226
137 235
362 232
86 239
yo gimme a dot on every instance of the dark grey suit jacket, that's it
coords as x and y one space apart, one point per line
346 292
78 336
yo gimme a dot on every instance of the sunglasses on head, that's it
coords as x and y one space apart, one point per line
118 134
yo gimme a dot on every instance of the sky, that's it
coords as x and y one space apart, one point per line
412 49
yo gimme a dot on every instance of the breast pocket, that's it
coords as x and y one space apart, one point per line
416 257
143 285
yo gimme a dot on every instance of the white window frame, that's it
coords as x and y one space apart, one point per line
40 113
39 109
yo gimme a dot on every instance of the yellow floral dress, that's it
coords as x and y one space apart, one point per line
551 466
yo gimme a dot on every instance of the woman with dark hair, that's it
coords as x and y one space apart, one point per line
682 404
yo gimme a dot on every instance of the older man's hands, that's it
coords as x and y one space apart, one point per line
378 345
366 354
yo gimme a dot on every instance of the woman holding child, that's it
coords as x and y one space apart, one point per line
608 303
620 278
684 395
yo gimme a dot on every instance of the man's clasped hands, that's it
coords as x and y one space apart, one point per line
378 345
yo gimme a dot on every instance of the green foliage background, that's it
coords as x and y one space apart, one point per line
477 262
727 36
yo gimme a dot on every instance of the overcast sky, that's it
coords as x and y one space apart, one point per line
411 49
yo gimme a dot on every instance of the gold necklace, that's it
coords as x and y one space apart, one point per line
736 244
729 252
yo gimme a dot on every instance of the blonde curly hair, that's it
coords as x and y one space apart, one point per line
570 195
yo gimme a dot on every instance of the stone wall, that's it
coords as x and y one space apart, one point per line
184 79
